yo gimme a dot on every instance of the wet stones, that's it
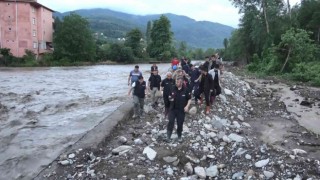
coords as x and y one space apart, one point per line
268 174
123 140
306 103
240 118
235 137
170 159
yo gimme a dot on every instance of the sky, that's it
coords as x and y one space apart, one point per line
220 11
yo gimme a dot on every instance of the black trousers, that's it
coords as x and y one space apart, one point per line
166 101
173 115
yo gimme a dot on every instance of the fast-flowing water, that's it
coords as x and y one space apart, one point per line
44 110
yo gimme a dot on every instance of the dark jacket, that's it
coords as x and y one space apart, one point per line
207 83
139 89
180 98
167 85
194 74
154 68
154 81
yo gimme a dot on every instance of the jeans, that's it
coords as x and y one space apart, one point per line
138 104
154 98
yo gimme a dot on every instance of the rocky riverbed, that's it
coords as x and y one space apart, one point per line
250 134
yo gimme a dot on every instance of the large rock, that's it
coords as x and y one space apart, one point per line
268 174
262 163
151 154
193 110
121 150
200 172
298 151
188 168
123 140
228 92
138 142
212 171
240 118
240 151
235 137
170 159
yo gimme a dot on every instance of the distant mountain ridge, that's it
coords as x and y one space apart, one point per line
197 34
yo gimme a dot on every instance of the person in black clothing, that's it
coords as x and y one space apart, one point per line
154 67
216 80
166 85
180 99
154 86
207 86
138 88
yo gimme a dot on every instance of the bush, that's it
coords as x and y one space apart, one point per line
307 72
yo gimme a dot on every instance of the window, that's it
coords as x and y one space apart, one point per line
8 4
35 45
34 33
9 29
33 9
33 20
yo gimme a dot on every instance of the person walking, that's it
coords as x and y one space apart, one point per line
207 86
166 86
180 100
139 88
154 86
215 73
134 74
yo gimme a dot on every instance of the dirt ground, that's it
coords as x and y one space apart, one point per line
256 114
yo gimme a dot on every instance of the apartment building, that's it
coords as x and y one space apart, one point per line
25 24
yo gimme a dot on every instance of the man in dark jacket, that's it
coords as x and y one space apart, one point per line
166 85
180 100
207 86
138 88
154 86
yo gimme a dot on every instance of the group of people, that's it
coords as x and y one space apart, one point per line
183 82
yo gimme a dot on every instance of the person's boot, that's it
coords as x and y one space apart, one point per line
168 139
207 110
179 138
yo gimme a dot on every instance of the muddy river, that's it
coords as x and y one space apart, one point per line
45 110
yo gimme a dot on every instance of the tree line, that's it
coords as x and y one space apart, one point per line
74 44
274 38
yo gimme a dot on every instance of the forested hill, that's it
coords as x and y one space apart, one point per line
197 34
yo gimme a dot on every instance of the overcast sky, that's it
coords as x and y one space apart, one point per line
221 11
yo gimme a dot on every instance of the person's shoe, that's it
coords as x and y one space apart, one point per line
168 139
180 139
207 110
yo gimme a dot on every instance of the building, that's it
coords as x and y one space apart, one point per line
25 24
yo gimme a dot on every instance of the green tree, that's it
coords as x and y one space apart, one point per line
182 51
73 40
148 32
225 43
161 39
133 40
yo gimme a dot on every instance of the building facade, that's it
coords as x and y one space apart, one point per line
25 24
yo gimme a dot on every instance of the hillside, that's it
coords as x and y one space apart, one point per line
197 34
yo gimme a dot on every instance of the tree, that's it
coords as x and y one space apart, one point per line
298 46
148 32
73 40
225 43
182 51
133 40
161 39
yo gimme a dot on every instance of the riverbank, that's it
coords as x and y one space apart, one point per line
249 134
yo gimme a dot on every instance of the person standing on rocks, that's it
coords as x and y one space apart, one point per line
180 100
215 73
139 91
207 87
134 74
166 85
154 86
